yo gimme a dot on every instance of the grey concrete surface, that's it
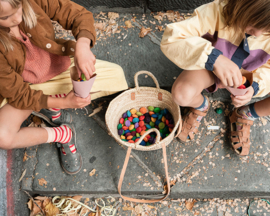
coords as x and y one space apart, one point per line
3 191
153 5
191 164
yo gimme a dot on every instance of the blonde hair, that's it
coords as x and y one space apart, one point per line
28 15
239 14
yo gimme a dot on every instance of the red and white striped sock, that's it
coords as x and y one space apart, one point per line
62 134
57 111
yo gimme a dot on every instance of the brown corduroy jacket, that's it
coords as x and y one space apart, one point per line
72 17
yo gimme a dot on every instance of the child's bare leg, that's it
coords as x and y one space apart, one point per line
188 86
12 136
263 107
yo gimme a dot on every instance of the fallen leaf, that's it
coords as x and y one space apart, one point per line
30 204
42 182
159 16
35 208
92 172
99 25
144 32
160 28
112 15
127 208
23 174
51 210
189 205
128 24
95 111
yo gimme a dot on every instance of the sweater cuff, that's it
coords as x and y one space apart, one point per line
87 34
256 88
43 102
209 65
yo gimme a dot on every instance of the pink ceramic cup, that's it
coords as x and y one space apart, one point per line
81 89
240 92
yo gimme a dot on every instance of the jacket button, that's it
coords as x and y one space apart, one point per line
29 35
72 49
48 45
63 49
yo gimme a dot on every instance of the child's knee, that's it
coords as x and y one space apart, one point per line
6 140
183 94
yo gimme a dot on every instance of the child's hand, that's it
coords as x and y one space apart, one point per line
239 101
228 72
72 101
84 59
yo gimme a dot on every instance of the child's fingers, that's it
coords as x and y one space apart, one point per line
235 82
79 71
230 81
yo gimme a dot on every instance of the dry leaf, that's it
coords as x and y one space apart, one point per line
189 205
35 208
127 208
160 28
95 111
144 32
51 210
159 16
99 25
128 24
30 204
264 121
42 182
92 172
112 15
172 183
46 202
23 174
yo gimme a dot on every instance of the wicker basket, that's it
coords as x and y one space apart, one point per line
137 98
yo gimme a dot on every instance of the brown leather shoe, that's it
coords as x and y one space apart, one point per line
190 124
240 139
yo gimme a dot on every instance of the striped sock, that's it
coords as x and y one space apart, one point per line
62 134
247 112
202 108
57 111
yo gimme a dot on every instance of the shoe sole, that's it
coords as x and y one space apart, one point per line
73 173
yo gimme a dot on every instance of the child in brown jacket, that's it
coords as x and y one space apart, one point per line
35 76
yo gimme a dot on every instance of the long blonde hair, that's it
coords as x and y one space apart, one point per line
239 14
28 15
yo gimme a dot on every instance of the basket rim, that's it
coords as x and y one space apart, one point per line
139 147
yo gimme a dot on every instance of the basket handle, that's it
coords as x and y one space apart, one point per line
124 171
149 74
146 133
